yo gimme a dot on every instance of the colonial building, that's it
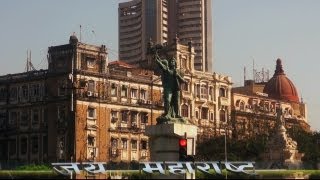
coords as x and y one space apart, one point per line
254 106
83 108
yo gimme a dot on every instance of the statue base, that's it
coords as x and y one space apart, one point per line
164 143
166 120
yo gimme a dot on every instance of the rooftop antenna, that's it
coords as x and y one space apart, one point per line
244 75
252 68
29 65
80 33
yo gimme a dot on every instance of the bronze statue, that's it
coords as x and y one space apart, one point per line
171 80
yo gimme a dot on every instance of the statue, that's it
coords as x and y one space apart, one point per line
171 80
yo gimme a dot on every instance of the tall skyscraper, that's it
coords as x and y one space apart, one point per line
161 21
140 21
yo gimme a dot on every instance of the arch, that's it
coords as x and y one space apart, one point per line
242 105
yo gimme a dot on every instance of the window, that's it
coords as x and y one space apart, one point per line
114 143
124 144
124 116
13 117
12 147
113 90
184 110
25 92
3 94
24 118
114 116
82 83
211 117
91 86
13 94
143 93
35 116
144 145
91 112
134 118
134 144
3 118
144 118
242 106
197 90
61 113
90 62
134 93
222 116
35 90
184 63
185 86
23 145
124 90
210 93
204 92
91 141
34 145
222 92
197 114
204 113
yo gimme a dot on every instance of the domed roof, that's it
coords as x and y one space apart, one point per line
280 87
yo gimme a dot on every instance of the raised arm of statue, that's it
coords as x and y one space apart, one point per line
179 77
160 63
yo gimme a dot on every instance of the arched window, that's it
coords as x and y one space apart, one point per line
204 113
242 106
185 86
237 103
222 92
222 116
184 110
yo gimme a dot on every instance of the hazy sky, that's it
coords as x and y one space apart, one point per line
263 30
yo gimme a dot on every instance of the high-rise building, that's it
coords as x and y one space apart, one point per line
161 21
140 21
194 23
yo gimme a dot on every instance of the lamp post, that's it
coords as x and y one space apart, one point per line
225 147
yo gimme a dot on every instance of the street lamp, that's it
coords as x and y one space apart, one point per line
225 147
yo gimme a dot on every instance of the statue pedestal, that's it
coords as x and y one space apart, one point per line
164 142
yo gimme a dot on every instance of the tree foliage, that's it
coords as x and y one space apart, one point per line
251 149
237 150
309 144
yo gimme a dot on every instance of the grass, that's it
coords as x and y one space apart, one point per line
135 174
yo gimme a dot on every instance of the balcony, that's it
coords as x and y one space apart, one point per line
223 101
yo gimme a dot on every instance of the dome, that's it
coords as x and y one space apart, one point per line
280 87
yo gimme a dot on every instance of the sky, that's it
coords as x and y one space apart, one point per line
244 31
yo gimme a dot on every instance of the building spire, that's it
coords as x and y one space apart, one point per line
279 69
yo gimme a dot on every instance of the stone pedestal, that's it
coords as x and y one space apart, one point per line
164 141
